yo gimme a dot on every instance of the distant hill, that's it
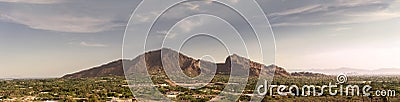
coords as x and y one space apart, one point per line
190 66
358 72
307 74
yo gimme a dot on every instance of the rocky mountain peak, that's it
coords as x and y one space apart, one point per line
153 60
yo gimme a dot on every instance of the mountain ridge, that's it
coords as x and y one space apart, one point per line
190 66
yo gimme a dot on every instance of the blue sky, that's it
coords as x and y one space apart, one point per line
48 38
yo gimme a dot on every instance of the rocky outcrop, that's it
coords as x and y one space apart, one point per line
110 69
172 59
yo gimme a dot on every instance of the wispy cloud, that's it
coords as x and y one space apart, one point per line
92 44
296 10
33 1
336 12
62 23
234 1
342 29
168 35
71 17
192 6
147 16
188 25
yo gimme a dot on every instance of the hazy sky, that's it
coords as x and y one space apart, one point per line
49 38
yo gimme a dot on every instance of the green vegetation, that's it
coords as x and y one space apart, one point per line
108 88
65 89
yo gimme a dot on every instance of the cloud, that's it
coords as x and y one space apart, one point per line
342 29
72 17
192 6
170 34
33 1
48 17
142 18
188 24
354 3
234 1
147 16
296 10
183 27
335 12
62 23
92 44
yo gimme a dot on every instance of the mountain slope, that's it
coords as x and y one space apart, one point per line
110 69
190 66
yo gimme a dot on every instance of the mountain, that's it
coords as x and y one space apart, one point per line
307 74
354 71
110 69
190 66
